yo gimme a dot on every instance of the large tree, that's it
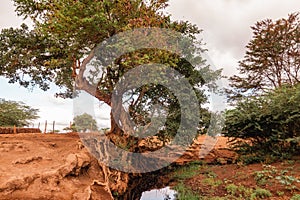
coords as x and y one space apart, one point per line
14 113
272 58
63 41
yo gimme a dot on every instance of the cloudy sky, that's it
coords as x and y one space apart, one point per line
226 31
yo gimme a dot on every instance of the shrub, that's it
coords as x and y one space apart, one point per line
296 197
266 127
260 193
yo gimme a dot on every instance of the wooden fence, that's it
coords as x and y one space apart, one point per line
12 130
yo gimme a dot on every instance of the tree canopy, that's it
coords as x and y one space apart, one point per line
272 57
14 113
65 32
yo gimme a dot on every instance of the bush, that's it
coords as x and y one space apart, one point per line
260 193
268 126
296 197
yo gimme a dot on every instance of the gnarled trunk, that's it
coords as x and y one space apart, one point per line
120 136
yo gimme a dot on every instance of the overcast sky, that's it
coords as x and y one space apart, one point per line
226 31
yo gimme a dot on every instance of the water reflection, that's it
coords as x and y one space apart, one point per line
159 194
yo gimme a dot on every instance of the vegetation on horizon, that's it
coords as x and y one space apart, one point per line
17 114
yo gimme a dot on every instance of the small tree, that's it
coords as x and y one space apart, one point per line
84 122
14 113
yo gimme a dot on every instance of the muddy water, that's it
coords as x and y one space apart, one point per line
149 186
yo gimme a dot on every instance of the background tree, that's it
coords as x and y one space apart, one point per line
14 113
272 58
63 41
84 122
265 121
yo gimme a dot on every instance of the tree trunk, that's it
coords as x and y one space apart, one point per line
120 137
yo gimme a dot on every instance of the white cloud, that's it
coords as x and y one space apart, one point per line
226 23
7 16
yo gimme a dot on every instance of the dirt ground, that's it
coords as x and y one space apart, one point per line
222 177
57 166
47 166
248 182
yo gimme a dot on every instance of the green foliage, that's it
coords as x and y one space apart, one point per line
264 124
64 32
85 122
296 197
260 193
231 189
266 176
247 193
288 181
271 175
280 193
212 182
14 113
268 125
185 193
237 191
187 171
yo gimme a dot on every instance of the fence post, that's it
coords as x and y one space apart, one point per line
53 126
45 126
15 129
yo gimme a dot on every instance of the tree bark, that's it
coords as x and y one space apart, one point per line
122 129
